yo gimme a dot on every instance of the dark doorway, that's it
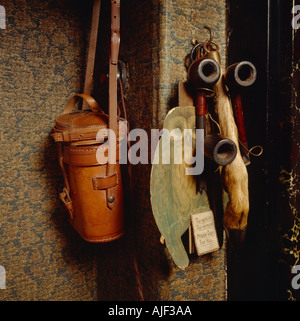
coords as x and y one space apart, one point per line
261 32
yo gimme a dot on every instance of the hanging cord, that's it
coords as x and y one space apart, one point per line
251 149
211 118
135 261
122 99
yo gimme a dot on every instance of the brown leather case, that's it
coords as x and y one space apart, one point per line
89 192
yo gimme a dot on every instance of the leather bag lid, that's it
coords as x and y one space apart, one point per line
84 126
81 119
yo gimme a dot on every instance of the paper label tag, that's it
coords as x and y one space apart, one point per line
204 231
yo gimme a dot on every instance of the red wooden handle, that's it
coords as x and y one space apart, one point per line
200 104
238 110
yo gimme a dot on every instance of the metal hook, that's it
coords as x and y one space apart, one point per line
199 48
194 52
210 35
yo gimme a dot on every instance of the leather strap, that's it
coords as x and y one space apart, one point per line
100 183
89 74
78 135
65 194
87 98
113 93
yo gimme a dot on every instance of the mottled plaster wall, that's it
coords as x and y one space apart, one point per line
177 22
164 40
42 53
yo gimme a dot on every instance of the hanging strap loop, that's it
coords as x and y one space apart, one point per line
91 102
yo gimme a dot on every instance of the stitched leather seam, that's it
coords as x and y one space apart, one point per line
104 240
84 150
